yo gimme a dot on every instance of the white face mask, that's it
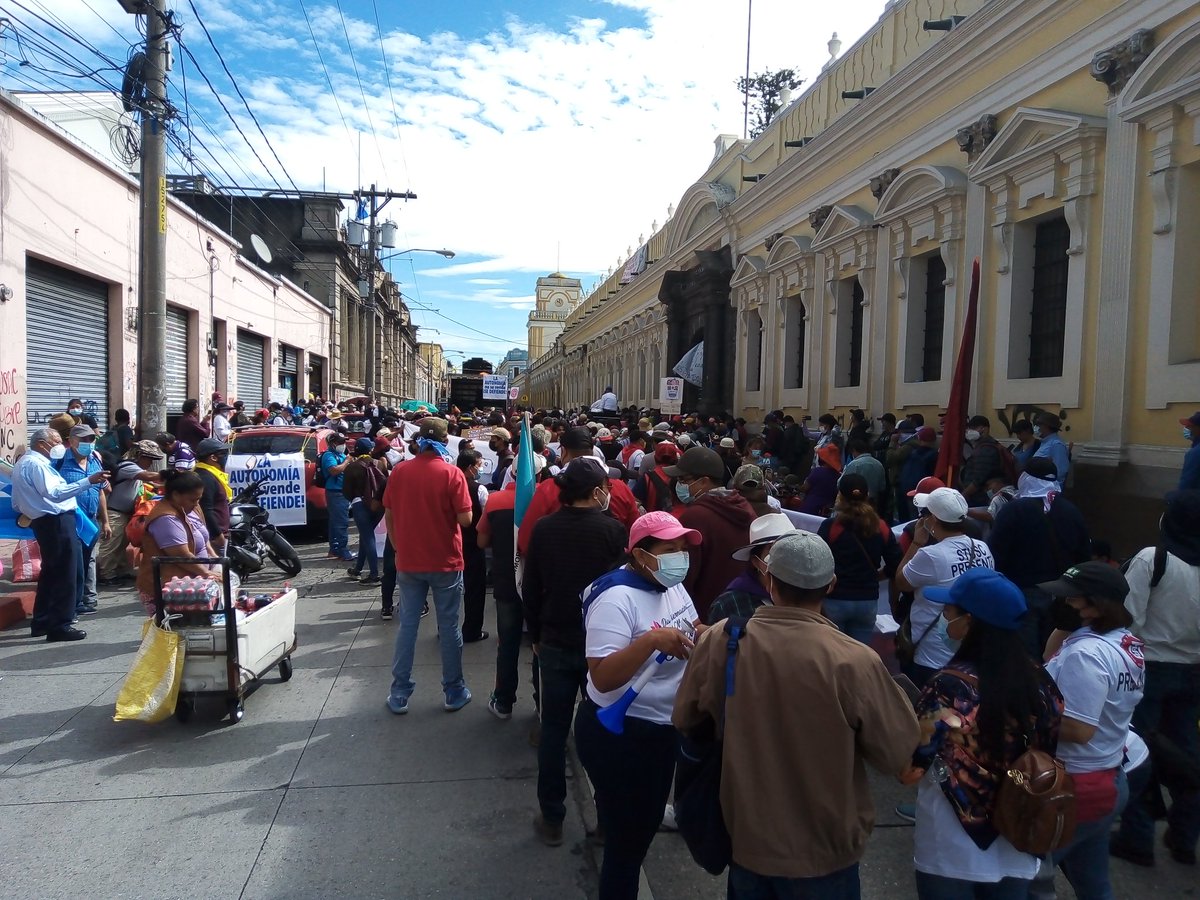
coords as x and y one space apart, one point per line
58 451
606 501
972 435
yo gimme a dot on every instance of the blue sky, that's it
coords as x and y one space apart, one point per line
537 135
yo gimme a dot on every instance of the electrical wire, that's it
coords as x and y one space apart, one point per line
238 90
362 91
391 95
325 69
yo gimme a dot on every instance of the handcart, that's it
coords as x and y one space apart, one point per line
223 659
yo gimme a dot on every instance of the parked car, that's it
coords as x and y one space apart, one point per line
259 440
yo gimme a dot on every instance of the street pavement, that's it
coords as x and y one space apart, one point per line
320 792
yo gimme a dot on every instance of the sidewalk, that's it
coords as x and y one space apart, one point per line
320 792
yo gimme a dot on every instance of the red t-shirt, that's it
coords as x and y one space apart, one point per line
623 506
425 496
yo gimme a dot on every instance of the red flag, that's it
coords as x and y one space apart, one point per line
954 426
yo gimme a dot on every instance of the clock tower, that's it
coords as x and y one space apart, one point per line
557 295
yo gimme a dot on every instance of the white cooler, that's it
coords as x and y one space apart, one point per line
264 637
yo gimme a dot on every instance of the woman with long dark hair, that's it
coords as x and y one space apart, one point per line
1099 667
865 552
978 714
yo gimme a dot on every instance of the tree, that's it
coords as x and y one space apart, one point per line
762 91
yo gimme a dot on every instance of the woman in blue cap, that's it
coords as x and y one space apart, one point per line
978 714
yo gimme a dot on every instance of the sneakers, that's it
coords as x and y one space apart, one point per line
549 833
386 614
457 700
425 609
398 705
370 579
502 711
907 812
668 819
352 572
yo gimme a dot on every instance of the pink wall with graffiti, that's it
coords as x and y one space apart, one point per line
85 219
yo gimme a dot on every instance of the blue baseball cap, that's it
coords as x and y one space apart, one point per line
985 594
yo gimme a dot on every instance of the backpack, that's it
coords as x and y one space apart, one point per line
319 477
109 442
664 495
376 482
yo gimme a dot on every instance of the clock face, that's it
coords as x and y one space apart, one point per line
558 303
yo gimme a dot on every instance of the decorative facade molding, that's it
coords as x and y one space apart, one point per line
883 181
1115 65
976 137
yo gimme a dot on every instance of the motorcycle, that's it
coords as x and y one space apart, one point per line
253 539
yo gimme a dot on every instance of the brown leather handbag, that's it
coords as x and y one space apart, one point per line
1035 804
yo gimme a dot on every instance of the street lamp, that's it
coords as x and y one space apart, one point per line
449 254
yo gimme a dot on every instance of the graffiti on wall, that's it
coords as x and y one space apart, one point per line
12 418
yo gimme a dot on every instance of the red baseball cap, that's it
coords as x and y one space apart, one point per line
927 485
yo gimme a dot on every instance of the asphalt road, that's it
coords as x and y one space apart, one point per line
319 791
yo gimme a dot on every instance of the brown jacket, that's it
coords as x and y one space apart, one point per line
723 519
810 705
145 576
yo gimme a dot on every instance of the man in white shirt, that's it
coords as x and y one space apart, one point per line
221 428
40 493
607 402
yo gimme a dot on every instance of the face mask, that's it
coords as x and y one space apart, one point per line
85 450
755 454
1064 616
1037 431
972 435
58 451
607 499
76 412
672 568
942 628
683 492
1187 434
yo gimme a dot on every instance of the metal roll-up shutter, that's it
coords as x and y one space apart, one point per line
177 359
66 329
290 359
250 388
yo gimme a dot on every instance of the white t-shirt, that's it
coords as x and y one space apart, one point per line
1101 677
942 847
937 565
1166 617
619 616
221 429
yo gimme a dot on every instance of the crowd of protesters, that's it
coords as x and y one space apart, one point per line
656 560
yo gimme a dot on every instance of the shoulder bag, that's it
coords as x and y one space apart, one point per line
698 778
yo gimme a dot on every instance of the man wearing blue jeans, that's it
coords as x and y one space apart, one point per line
333 464
426 504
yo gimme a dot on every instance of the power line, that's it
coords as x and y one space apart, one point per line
245 102
391 95
325 69
362 91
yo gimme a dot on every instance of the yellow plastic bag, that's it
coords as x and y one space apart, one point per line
152 685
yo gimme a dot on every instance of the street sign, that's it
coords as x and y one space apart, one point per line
495 387
514 393
671 396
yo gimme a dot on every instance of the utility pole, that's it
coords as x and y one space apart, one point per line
374 196
152 263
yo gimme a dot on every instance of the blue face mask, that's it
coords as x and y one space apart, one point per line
683 492
755 454
85 450
943 632
672 568
1187 434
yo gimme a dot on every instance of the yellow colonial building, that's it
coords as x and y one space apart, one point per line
825 265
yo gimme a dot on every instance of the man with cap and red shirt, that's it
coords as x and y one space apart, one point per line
1189 477
655 490
721 515
575 443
